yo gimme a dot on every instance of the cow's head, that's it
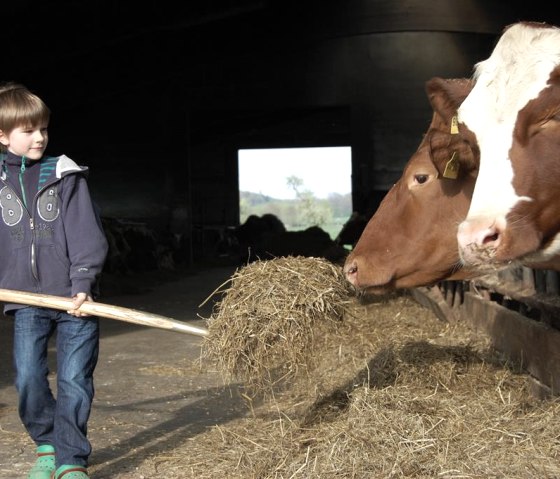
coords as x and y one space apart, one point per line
514 110
411 239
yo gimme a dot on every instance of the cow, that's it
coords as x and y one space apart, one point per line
265 237
250 234
411 240
514 112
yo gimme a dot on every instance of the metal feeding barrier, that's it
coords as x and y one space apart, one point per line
518 309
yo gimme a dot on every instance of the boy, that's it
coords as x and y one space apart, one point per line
52 243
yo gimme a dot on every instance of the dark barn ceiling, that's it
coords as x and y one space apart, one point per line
83 54
163 93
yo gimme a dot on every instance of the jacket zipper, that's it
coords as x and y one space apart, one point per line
33 258
32 228
21 183
31 223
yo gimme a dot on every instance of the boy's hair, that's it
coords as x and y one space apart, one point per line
20 108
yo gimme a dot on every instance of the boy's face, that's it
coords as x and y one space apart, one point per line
30 142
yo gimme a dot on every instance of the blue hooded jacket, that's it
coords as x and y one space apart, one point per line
51 238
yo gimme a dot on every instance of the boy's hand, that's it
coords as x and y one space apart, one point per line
78 300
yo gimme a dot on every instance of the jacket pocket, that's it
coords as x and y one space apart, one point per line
15 270
54 271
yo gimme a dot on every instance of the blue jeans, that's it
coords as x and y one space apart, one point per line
61 422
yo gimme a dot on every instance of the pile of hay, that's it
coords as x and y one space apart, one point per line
396 393
266 326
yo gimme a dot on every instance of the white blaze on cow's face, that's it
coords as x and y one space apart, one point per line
516 72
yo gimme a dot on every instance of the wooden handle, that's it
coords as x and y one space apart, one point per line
100 309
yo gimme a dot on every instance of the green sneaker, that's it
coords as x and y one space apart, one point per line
68 471
44 465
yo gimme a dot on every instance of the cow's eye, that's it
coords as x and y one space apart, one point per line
420 179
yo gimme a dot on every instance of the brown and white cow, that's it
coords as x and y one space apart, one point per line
411 240
514 112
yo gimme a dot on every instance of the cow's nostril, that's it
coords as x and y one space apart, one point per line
351 269
491 238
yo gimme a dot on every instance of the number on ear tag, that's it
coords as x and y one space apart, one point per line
452 167
454 125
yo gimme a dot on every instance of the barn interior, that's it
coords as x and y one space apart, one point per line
157 98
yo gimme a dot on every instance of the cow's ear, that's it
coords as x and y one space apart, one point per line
447 94
448 167
451 170
456 166
469 152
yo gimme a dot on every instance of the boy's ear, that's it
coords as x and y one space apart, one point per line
3 138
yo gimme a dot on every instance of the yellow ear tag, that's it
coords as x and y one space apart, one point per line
454 125
452 167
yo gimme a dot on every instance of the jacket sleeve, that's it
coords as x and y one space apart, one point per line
85 239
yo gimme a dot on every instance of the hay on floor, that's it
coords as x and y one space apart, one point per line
265 327
395 393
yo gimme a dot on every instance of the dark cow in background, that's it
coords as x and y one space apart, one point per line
411 240
310 242
514 111
265 237
250 235
351 231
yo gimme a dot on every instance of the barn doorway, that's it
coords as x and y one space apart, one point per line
303 187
